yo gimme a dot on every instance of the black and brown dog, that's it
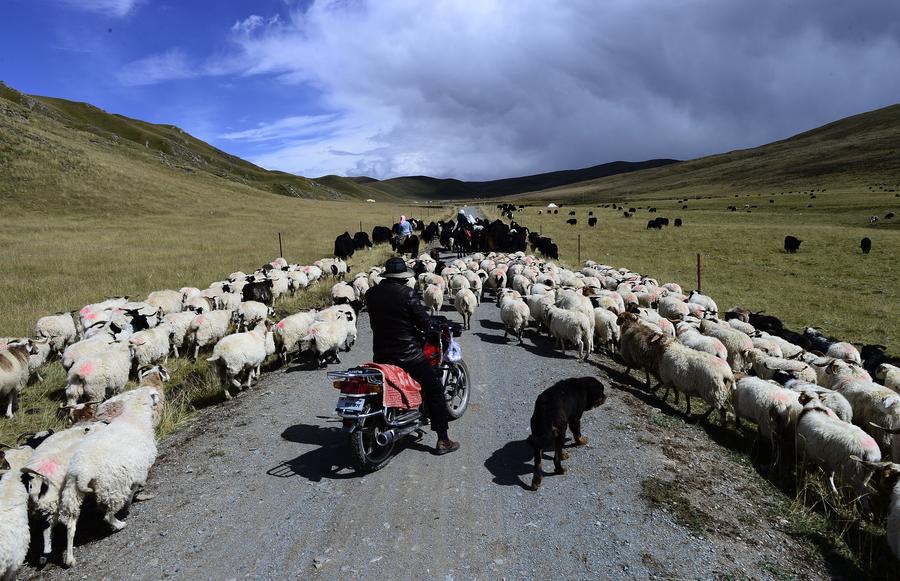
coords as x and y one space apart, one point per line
561 405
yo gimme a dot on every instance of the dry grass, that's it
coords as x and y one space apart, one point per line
828 283
193 384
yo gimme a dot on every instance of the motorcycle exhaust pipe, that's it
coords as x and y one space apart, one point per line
394 434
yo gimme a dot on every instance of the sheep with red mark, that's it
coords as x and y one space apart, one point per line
831 347
208 329
326 338
290 330
95 375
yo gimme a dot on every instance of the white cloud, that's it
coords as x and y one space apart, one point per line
503 87
296 127
167 66
109 7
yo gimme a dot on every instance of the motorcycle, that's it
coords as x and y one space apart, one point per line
375 430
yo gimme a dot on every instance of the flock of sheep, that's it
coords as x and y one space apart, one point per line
804 391
110 446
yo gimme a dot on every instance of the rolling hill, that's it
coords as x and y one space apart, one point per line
48 141
859 153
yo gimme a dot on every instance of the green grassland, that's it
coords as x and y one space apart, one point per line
828 283
854 154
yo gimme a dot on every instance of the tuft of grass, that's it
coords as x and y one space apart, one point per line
668 494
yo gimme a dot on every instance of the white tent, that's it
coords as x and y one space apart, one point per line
370 200
552 205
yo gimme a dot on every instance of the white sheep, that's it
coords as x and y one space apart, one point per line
342 293
15 535
290 330
325 339
829 398
280 284
179 324
745 328
169 301
476 284
433 298
37 359
297 279
152 345
735 342
465 302
770 348
515 314
788 349
673 308
242 353
771 407
828 442
695 373
691 337
361 286
889 375
197 305
606 330
111 464
92 376
14 373
251 313
85 347
46 471
708 305
876 409
59 329
572 326
766 367
832 373
208 329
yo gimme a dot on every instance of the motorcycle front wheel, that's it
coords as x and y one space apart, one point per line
368 454
457 389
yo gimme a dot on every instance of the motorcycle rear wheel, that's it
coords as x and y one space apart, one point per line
457 389
368 455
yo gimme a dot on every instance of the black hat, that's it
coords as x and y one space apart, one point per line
395 267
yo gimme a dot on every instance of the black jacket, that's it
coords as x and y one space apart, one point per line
399 322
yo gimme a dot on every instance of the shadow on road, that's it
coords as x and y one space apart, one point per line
330 459
489 324
510 463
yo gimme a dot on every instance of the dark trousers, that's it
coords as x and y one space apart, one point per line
432 391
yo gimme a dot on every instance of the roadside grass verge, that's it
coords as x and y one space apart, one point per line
799 496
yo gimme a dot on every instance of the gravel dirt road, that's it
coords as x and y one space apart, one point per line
260 487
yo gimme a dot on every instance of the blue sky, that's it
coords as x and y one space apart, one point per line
463 88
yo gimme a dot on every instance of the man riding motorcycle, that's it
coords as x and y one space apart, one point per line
399 323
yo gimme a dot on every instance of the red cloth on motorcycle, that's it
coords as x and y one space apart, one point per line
400 390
